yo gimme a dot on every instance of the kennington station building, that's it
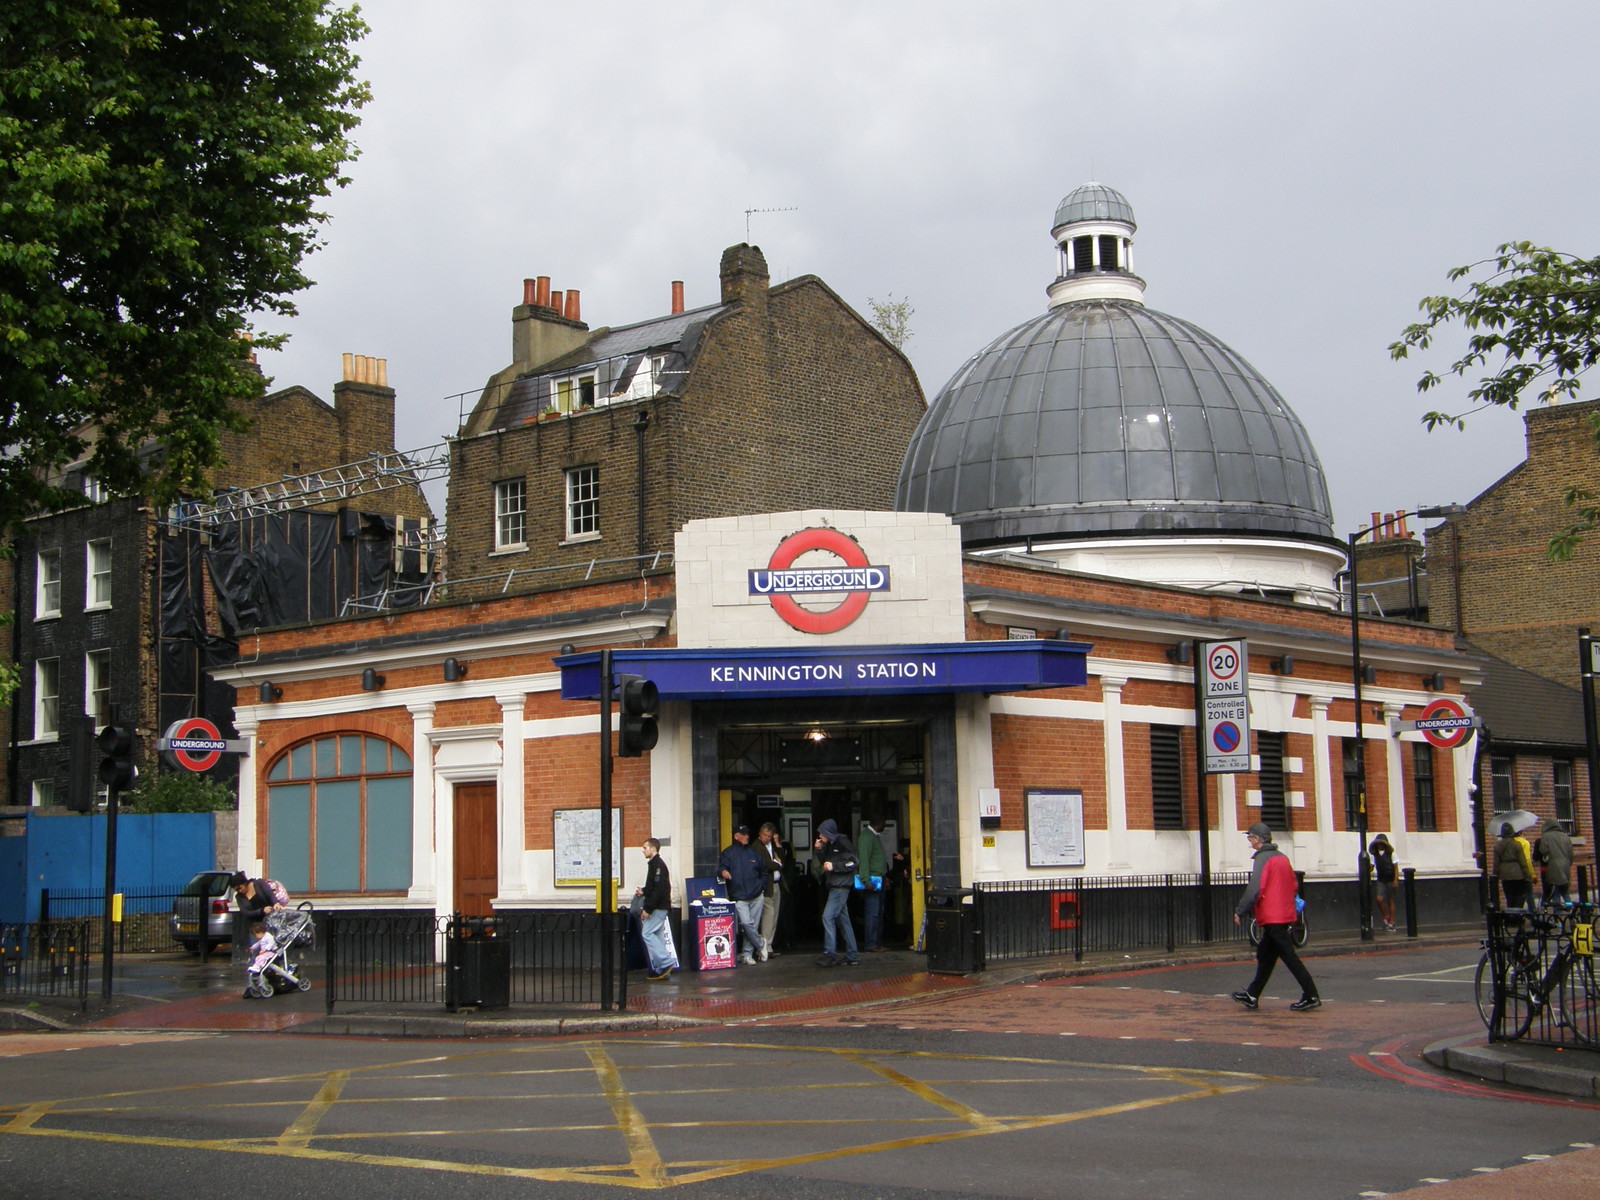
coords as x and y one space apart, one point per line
979 619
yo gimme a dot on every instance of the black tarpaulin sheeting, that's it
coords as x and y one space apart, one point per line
279 569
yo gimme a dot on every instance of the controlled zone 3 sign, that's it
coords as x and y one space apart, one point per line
1225 706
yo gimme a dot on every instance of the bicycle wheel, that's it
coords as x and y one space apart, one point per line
1300 932
1518 1008
1580 1002
1483 989
1516 1011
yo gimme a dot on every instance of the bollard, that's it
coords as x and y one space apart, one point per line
1409 875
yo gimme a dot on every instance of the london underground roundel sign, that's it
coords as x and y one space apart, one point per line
195 743
1445 724
781 581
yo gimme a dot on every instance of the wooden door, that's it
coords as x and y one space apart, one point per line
477 859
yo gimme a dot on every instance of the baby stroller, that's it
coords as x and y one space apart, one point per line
289 928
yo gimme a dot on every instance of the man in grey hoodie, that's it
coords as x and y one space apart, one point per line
1555 852
837 856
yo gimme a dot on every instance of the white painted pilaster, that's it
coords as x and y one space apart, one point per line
512 806
424 882
247 855
1116 774
1322 781
1229 852
1397 783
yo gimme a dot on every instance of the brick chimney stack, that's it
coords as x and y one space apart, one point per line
744 275
363 401
545 325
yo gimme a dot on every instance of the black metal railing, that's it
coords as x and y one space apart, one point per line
146 925
545 956
1538 971
556 954
1037 918
45 960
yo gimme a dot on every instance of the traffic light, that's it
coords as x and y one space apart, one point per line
116 764
637 699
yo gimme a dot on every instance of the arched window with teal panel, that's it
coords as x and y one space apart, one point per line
339 815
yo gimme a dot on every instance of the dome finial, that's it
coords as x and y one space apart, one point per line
1093 231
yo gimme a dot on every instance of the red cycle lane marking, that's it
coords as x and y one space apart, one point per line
1389 1065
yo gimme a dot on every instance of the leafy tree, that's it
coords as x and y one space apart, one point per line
892 318
161 166
180 791
1534 328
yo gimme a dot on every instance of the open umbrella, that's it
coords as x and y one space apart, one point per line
1518 818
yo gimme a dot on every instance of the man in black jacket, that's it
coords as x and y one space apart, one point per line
657 896
838 858
742 867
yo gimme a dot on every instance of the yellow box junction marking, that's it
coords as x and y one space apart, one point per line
645 1167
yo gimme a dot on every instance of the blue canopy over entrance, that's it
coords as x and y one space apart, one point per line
987 667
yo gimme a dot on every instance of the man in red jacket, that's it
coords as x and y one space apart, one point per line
1270 897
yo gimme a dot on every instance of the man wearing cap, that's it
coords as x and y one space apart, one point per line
741 868
1270 898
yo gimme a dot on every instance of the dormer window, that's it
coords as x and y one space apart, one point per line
574 393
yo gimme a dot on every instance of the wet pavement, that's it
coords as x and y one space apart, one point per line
177 992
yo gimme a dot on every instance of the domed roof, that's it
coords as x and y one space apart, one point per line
1094 202
1104 417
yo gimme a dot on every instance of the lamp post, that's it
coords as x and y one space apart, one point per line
1358 673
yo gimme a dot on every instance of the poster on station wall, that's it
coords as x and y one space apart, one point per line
577 846
1054 828
1225 706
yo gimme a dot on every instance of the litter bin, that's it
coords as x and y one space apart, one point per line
954 941
477 967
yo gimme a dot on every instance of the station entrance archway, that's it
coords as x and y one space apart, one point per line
797 764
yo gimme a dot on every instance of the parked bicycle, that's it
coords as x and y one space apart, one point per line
1299 932
1516 987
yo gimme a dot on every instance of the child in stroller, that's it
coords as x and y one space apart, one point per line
271 970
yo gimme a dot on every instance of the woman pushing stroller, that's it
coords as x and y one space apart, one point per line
275 929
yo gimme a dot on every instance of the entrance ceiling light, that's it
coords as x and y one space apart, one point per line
818 735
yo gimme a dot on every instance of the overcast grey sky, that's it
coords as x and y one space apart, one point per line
1301 173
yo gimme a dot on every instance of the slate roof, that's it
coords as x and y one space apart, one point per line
615 354
1522 708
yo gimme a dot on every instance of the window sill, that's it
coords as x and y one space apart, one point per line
49 739
106 607
581 538
49 616
519 548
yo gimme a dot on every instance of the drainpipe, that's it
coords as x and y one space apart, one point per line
641 422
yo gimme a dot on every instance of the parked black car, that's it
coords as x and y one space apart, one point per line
207 897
